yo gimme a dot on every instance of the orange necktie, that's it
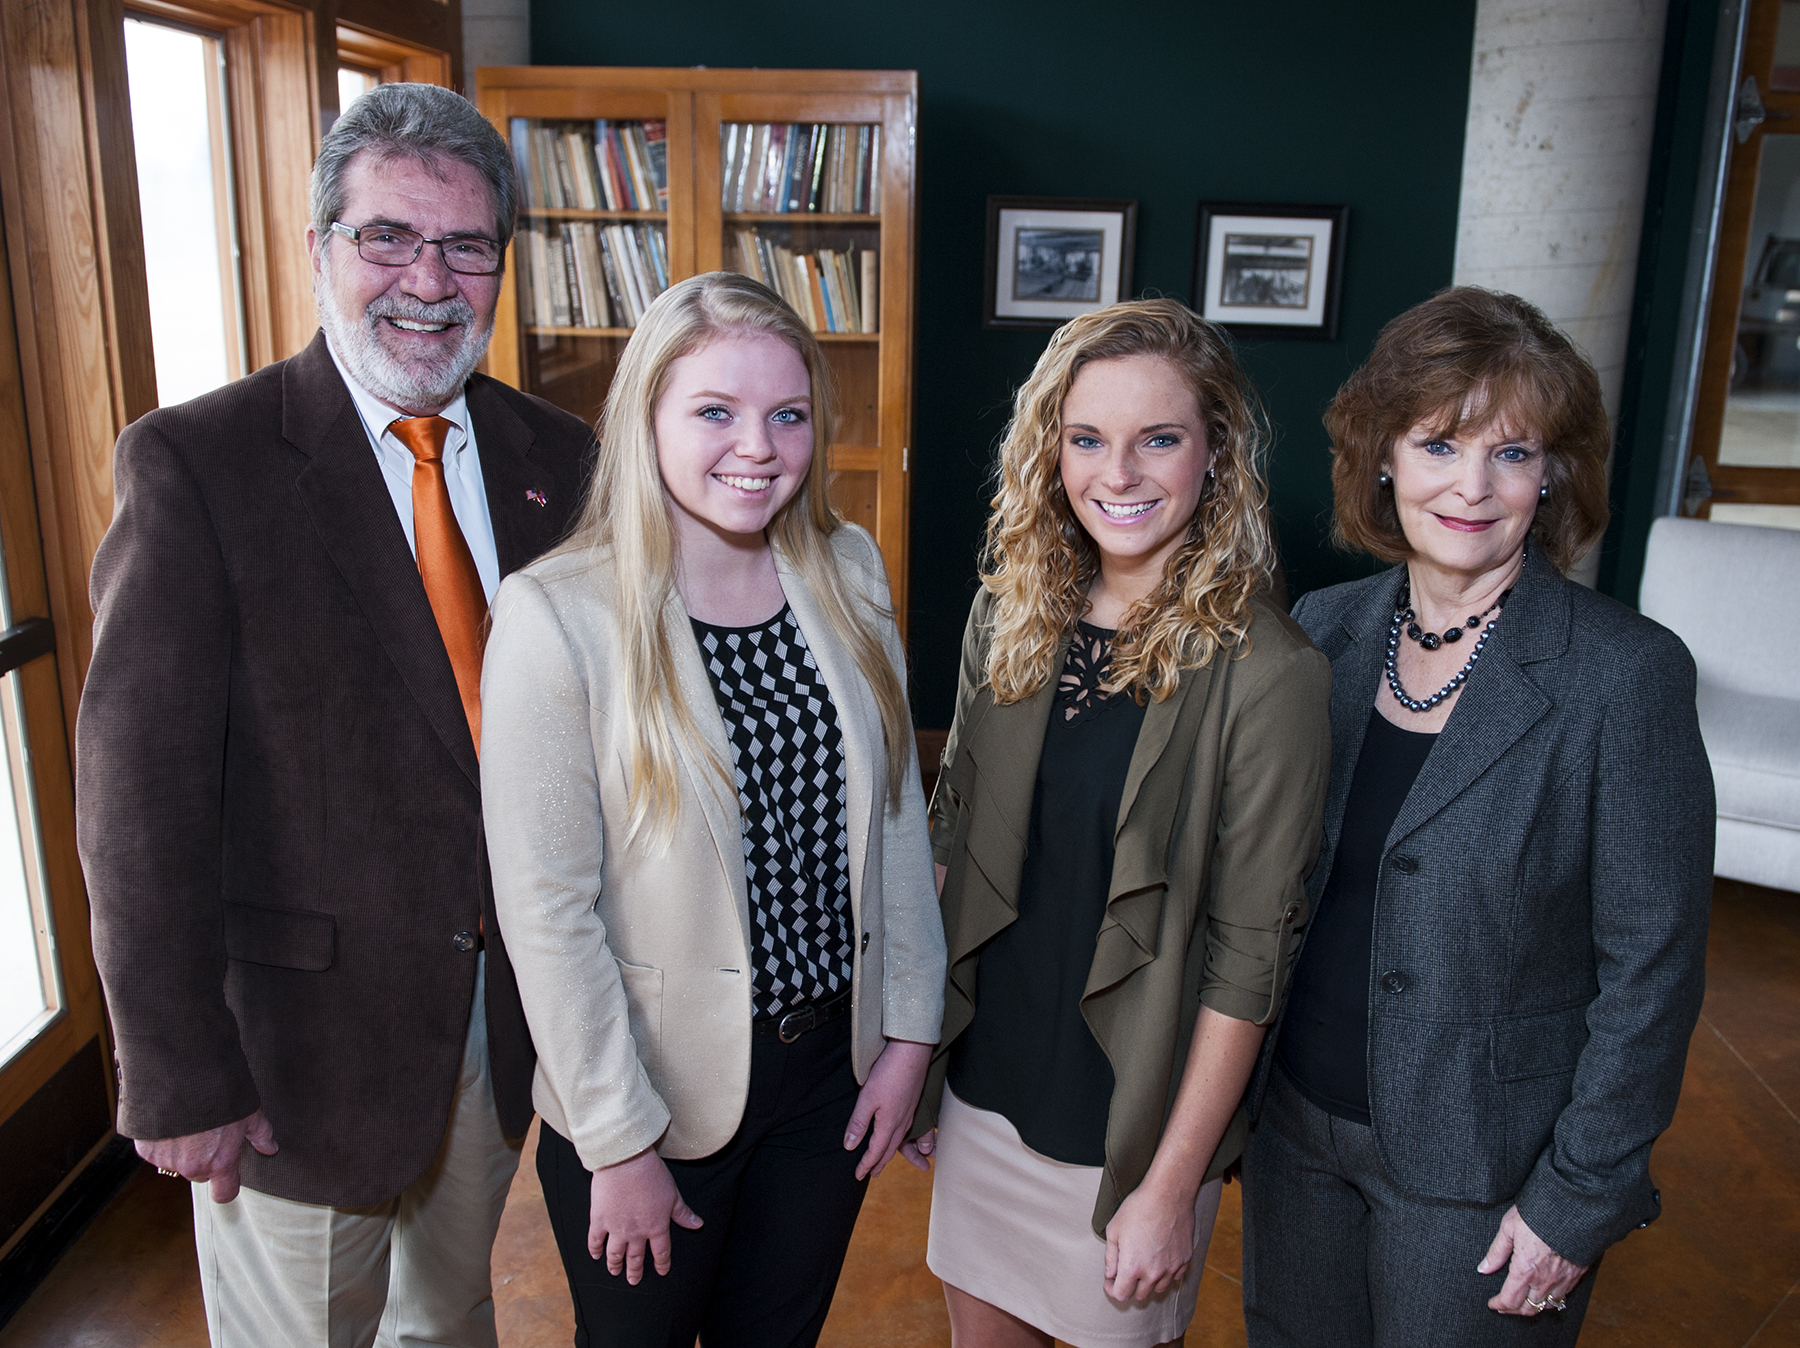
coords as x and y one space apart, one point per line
452 583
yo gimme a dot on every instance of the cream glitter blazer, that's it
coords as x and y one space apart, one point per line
633 960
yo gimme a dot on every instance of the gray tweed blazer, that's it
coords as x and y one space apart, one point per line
1540 920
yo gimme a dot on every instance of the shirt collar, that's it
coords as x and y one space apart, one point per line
377 416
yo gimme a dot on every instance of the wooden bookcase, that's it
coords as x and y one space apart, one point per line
572 366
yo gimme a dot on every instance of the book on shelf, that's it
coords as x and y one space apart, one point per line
819 167
586 274
833 289
592 166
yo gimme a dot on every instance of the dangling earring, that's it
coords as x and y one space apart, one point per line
1384 479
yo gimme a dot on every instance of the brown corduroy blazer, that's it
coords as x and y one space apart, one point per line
1219 826
278 799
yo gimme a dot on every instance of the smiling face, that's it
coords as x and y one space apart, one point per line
1466 501
410 335
1134 459
734 434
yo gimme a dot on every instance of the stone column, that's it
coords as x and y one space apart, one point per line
1562 106
495 33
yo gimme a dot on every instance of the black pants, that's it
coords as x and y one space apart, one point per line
779 1202
1336 1253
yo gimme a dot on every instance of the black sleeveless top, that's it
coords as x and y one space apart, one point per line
1029 1054
1324 1044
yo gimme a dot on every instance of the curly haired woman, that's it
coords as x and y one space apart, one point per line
1129 807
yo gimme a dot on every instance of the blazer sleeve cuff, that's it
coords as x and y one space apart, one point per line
1579 1222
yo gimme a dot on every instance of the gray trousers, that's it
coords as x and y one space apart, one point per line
1336 1254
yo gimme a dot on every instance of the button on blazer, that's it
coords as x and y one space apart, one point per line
634 957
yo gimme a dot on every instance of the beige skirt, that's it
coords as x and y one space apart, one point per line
1012 1226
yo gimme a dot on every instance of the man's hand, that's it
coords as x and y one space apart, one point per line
884 1109
630 1206
1539 1278
212 1155
1149 1242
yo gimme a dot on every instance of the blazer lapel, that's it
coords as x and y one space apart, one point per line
521 496
348 502
717 796
1500 702
859 720
1134 904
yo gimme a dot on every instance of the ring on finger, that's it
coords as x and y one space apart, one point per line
1536 1305
1556 1303
170 1173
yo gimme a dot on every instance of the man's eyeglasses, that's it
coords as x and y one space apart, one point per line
391 246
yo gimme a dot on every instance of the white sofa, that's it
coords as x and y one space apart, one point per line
1732 593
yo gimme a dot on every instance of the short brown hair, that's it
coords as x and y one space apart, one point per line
1472 357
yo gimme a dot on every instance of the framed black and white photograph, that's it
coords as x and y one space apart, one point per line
1051 258
1270 270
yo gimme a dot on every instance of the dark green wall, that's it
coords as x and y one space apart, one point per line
1303 101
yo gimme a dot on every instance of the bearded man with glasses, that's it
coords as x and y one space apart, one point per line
278 782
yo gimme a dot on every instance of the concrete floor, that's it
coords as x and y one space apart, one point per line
1722 1267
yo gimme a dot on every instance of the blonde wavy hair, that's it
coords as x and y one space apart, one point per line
628 512
1039 561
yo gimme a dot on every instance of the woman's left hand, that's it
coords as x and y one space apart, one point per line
1539 1278
1149 1243
884 1108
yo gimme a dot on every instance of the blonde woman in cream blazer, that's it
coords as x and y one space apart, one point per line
631 920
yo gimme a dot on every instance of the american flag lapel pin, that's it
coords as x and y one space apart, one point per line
536 497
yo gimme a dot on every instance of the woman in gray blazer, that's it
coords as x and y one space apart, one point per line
1491 1010
708 843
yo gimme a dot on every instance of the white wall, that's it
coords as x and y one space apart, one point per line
495 33
1562 105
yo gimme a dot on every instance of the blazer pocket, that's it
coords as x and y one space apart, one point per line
1544 1045
283 938
644 1000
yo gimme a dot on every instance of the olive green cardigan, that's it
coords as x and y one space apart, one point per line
1219 820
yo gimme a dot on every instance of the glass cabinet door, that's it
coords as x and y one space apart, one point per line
810 193
603 230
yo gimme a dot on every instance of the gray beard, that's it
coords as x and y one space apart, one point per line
423 383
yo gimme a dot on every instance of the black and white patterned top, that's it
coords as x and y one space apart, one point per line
788 756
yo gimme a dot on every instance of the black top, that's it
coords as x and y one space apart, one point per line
1029 1054
1324 1044
788 757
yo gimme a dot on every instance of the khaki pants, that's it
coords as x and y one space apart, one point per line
403 1274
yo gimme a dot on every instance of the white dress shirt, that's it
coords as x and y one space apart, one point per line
462 474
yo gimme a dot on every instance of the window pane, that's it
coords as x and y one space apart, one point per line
1762 408
177 121
352 85
28 985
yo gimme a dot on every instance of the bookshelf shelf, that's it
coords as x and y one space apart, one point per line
575 213
547 330
802 218
609 132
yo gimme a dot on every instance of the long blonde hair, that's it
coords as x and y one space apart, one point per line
627 510
1038 561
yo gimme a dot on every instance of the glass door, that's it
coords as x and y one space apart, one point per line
1745 467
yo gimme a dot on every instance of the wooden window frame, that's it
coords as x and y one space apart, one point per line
390 59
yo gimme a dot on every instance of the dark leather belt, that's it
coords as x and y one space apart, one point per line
802 1019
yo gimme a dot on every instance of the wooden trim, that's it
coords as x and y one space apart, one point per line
33 594
390 59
